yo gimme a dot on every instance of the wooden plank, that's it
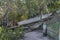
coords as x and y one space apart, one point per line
35 19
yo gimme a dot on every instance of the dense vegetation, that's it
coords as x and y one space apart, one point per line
11 34
24 9
18 10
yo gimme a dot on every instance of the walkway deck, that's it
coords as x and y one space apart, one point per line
36 35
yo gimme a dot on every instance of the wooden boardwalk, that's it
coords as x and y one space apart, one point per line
36 35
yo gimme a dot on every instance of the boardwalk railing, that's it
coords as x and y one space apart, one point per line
35 19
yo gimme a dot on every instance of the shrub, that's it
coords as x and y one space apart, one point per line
9 34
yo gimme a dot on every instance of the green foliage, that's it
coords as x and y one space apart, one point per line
9 34
29 8
54 5
0 29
